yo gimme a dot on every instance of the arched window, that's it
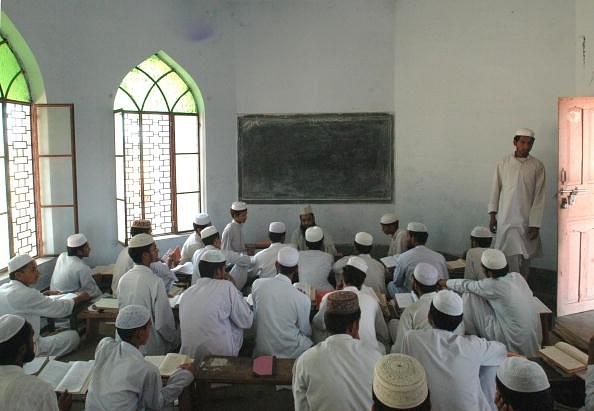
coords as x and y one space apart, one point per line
157 147
37 189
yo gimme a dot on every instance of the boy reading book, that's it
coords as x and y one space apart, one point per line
122 379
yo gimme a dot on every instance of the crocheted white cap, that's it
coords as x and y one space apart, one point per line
18 261
140 240
306 209
364 238
10 325
399 381
238 206
448 302
213 256
358 263
202 219
208 231
314 234
76 240
388 218
426 274
522 375
493 259
416 227
132 316
524 132
288 256
481 232
277 227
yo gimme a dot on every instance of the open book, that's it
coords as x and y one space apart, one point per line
35 365
167 364
565 356
454 265
403 300
73 376
106 304
306 289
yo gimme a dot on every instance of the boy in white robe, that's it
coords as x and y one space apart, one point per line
122 379
522 385
194 241
315 265
232 237
480 240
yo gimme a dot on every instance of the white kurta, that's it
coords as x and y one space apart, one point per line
124 263
314 268
398 243
16 298
517 196
298 239
232 237
71 274
22 392
375 278
265 260
373 330
405 266
452 364
281 313
414 317
336 374
196 261
123 380
212 317
242 264
502 309
141 286
192 243
473 268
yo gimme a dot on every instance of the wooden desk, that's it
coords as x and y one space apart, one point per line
94 318
238 370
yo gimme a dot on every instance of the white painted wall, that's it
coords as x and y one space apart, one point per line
460 77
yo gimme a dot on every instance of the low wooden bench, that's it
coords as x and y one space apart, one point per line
238 370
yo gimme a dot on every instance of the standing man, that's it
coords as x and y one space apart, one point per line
194 242
307 219
517 202
232 237
336 374
281 312
389 223
71 274
141 286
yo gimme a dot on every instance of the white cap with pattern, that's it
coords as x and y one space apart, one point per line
132 316
238 206
416 227
202 219
364 238
140 240
208 231
277 227
493 259
18 261
358 263
448 302
314 234
399 381
76 240
10 325
522 375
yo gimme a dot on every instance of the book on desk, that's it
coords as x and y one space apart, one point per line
565 357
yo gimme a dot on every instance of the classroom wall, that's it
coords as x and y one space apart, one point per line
460 77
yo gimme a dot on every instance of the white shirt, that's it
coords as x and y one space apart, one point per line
265 260
282 318
452 363
20 392
192 243
407 261
517 196
71 274
298 239
373 330
414 317
314 268
141 286
123 380
212 317
124 263
513 319
398 242
335 374
232 237
375 277
473 268
16 298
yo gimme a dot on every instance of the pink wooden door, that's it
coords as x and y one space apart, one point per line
575 202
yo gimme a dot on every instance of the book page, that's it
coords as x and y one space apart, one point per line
559 358
76 377
172 362
573 352
456 264
403 300
106 304
156 360
53 372
389 261
33 367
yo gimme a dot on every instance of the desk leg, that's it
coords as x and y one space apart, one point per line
92 328
203 394
187 399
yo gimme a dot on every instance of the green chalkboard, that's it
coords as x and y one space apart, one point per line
342 157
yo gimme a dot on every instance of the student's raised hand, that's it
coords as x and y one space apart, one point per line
65 401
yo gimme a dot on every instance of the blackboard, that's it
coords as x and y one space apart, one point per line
343 157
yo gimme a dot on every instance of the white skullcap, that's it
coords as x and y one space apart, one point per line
388 218
213 256
522 375
277 227
132 316
208 231
10 325
238 206
524 132
426 274
416 227
314 234
140 240
185 268
306 209
364 238
18 261
399 381
493 259
202 219
288 256
358 263
481 232
448 302
76 240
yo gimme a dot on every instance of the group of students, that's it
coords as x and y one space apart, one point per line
339 354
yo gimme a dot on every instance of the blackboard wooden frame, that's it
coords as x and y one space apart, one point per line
320 158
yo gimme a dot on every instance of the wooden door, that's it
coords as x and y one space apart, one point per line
575 202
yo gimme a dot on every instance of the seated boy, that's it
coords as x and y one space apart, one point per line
122 379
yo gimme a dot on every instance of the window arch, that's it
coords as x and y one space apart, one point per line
157 147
